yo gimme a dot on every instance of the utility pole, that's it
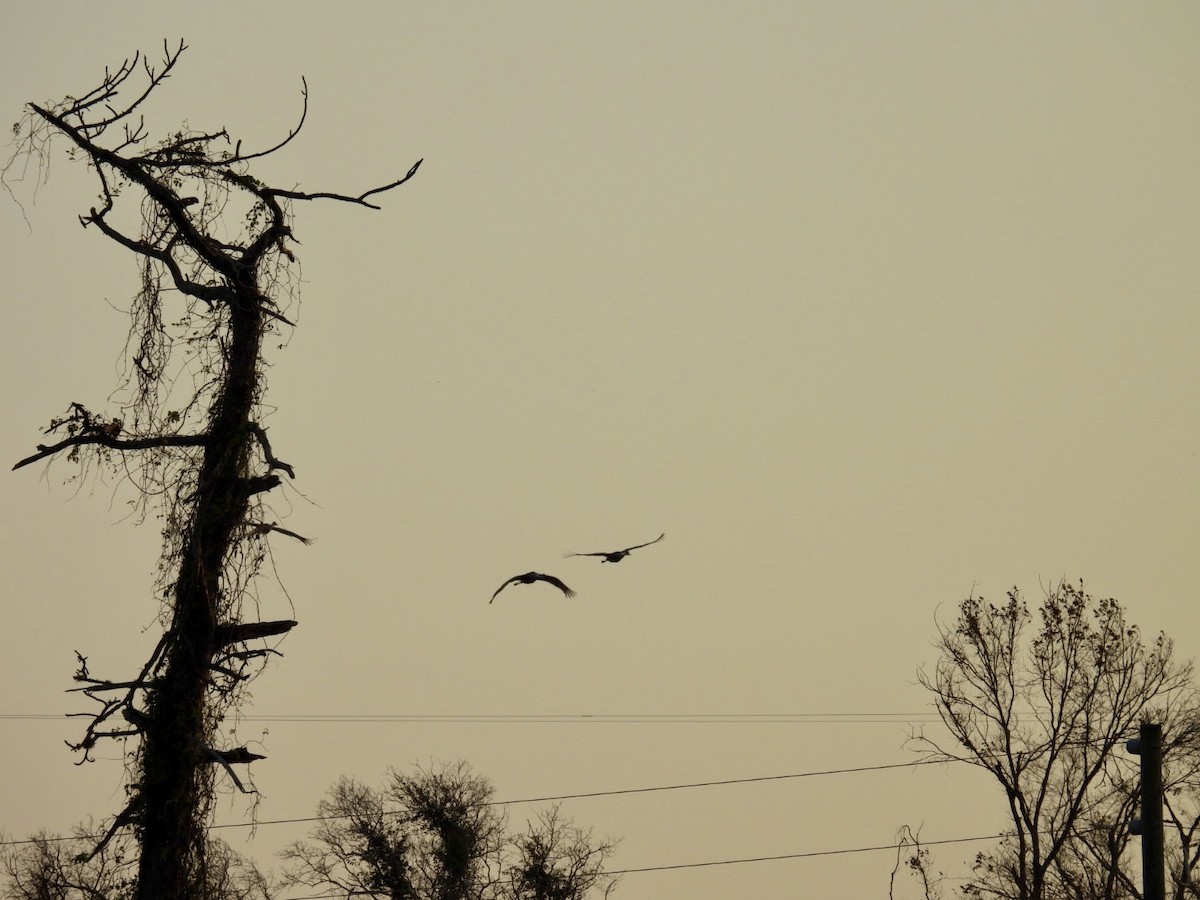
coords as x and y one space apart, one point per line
1148 745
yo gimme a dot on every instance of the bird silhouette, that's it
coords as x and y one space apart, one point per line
530 578
618 555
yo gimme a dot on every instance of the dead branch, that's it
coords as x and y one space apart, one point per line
210 294
239 755
244 655
259 484
127 816
268 527
95 684
272 462
110 87
240 632
163 195
241 657
105 440
228 672
239 158
361 199
93 734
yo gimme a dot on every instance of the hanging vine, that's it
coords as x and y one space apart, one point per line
217 279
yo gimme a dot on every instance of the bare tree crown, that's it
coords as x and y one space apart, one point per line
1045 705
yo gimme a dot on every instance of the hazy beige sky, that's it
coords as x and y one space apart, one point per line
866 305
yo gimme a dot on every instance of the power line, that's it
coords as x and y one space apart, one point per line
580 718
748 859
700 784
806 855
619 792
583 795
671 787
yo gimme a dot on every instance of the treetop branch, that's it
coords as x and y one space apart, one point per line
166 440
361 199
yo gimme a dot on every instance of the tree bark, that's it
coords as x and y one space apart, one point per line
176 769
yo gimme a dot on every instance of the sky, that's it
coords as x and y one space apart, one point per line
868 306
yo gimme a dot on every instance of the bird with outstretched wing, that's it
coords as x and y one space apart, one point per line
618 555
530 578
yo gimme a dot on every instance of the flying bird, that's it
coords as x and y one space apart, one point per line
618 555
530 578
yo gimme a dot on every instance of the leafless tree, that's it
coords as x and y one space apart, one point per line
1045 707
215 250
438 835
558 860
56 867
914 859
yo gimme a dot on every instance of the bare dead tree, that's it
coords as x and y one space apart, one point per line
1046 708
437 834
215 249
62 867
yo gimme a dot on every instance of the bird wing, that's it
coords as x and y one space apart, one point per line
558 584
565 555
503 586
271 526
647 544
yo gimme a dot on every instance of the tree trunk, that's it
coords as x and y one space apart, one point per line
176 770
208 459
